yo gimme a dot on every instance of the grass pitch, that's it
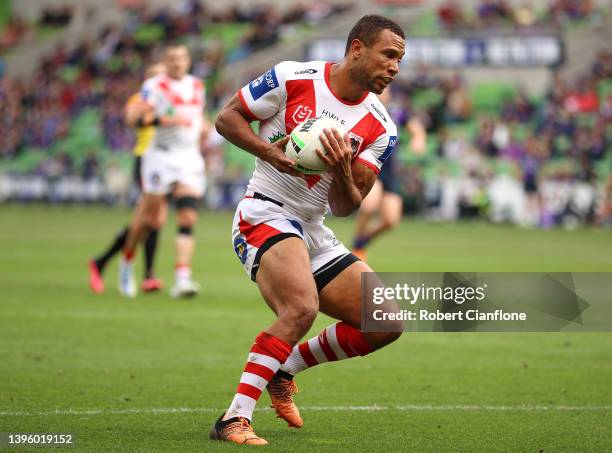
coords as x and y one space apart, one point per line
151 374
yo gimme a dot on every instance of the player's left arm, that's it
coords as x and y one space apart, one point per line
206 125
351 181
137 113
205 132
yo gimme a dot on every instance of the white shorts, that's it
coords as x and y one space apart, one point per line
260 223
161 169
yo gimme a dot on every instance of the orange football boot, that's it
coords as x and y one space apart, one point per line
281 391
237 430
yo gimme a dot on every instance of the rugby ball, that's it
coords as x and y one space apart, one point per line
304 141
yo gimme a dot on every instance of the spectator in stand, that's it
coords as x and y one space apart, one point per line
458 104
484 139
491 12
520 109
602 68
450 14
570 9
583 98
15 32
91 167
524 16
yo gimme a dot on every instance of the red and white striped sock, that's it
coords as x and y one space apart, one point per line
337 342
182 272
128 255
265 358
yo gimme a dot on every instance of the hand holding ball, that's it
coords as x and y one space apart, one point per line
304 142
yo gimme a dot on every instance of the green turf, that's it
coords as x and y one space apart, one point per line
66 349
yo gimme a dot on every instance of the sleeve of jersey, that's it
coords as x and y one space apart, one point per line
150 93
374 156
262 98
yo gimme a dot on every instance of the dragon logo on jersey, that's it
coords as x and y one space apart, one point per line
155 179
302 113
263 84
276 137
240 247
356 142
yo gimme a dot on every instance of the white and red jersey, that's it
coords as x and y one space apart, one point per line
170 97
288 94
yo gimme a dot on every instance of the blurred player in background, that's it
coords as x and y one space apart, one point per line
138 117
384 199
279 236
173 164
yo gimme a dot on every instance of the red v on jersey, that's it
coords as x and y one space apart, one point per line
175 98
301 102
311 180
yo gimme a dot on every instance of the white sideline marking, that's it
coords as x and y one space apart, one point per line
401 408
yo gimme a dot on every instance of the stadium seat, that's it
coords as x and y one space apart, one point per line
423 99
425 25
229 34
149 34
5 14
487 96
604 88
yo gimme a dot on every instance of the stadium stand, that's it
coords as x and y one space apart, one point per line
561 140
452 15
493 146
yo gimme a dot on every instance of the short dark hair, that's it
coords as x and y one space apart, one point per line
368 28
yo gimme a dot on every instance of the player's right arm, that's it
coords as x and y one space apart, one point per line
233 123
137 111
261 99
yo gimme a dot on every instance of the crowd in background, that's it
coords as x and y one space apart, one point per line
104 72
18 31
15 32
495 13
540 157
532 161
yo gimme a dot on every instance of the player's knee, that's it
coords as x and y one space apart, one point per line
302 320
394 221
390 337
301 316
155 223
161 218
393 326
367 209
391 222
152 218
381 339
187 217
